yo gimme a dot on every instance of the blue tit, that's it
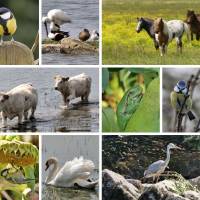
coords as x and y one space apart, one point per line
15 177
178 97
8 25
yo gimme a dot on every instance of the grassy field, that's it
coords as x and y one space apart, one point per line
123 45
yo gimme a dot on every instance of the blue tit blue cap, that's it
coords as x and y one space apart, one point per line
181 85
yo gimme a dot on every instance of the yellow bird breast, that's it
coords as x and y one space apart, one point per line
1 30
11 26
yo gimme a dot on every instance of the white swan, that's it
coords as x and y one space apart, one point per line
73 173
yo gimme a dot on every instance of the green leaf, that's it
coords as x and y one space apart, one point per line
29 172
147 116
109 123
105 78
143 70
128 105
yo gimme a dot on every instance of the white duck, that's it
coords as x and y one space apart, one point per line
94 36
73 173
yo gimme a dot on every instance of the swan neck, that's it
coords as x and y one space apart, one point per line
52 172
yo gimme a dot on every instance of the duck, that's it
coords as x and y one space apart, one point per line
94 36
74 173
84 35
58 35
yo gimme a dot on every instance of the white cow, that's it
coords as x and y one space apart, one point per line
17 102
73 87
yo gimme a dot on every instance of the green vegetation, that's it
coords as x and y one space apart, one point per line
18 166
123 45
130 100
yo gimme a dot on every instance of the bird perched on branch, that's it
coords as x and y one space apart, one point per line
179 96
8 25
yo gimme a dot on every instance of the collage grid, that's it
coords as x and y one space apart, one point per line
104 137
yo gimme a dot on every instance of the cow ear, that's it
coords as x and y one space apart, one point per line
137 18
5 96
66 79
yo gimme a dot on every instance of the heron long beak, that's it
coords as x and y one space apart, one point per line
45 24
178 148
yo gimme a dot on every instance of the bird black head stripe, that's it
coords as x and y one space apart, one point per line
4 10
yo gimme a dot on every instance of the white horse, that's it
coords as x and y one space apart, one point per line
165 32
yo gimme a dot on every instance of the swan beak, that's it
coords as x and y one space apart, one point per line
45 24
47 166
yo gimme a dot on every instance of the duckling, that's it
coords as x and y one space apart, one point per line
84 35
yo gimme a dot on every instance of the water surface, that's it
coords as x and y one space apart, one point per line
50 115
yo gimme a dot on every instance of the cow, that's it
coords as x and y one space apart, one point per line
17 102
73 87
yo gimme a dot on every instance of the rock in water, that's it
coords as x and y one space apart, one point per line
116 187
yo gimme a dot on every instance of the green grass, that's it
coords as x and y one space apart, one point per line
121 43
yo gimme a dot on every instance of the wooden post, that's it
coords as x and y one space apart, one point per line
15 53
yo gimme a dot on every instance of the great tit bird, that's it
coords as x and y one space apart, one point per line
178 96
8 25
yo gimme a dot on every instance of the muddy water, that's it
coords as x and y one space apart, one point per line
66 148
50 114
84 14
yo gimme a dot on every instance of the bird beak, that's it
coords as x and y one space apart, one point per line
45 24
47 166
178 148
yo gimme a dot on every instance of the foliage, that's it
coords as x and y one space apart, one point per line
20 160
123 45
130 99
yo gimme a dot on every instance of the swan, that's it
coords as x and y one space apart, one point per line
73 173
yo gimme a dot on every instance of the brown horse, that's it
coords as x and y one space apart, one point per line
166 31
193 21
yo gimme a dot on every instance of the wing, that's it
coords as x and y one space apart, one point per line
154 167
173 97
72 170
58 16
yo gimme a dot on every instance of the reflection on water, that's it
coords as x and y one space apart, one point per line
53 193
50 115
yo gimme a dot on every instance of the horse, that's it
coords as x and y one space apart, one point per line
147 25
193 20
165 32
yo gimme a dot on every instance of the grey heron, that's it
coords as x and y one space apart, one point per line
55 18
155 169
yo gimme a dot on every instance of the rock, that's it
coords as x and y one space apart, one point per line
73 46
51 48
116 187
167 190
154 193
191 195
69 46
195 182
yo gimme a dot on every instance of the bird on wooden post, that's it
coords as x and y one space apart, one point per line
178 96
8 25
